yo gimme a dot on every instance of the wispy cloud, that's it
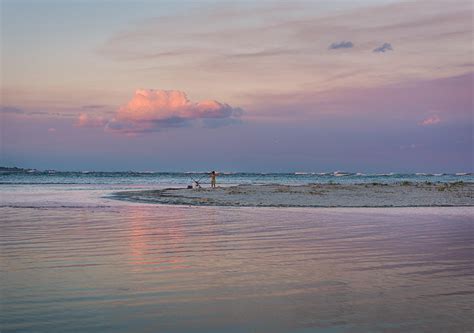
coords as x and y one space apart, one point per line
11 109
94 106
409 102
430 121
21 112
285 47
341 45
263 53
385 47
87 120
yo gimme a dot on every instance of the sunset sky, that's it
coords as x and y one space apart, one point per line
363 86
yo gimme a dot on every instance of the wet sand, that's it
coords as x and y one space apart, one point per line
314 195
159 268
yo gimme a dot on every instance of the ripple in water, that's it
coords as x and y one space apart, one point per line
141 268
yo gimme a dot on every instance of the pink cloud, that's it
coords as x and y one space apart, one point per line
432 120
51 130
150 110
86 120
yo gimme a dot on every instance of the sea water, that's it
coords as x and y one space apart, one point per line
185 178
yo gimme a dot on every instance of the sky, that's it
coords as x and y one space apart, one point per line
267 86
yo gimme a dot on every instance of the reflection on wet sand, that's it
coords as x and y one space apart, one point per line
154 245
145 268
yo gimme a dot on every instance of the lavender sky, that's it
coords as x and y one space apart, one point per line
367 85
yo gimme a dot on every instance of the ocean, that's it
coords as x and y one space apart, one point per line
73 259
228 178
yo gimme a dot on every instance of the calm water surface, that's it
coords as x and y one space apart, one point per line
74 261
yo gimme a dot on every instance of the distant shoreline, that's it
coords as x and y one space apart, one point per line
404 194
15 169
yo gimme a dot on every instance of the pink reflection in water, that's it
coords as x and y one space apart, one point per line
154 243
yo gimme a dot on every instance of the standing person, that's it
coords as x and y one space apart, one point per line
213 179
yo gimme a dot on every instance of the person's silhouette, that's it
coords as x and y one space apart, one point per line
213 179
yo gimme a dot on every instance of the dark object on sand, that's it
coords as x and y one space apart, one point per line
196 182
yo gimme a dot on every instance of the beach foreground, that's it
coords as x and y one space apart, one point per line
158 268
74 260
403 194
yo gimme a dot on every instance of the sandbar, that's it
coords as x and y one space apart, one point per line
404 194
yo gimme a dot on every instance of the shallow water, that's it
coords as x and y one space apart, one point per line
73 260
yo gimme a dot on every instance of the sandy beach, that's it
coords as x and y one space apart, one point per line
403 194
